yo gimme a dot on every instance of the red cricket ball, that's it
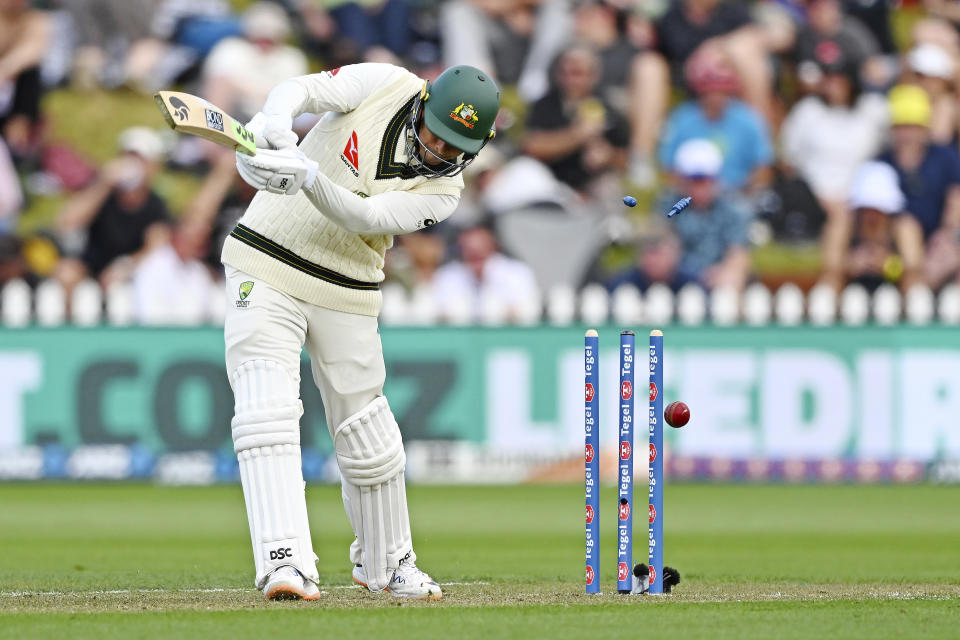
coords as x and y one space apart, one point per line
677 414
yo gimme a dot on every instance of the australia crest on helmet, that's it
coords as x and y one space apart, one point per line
466 115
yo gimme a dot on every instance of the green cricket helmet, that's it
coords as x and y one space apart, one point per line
459 107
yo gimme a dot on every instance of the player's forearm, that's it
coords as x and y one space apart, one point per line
346 209
289 98
389 213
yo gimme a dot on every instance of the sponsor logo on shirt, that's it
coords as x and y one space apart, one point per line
351 155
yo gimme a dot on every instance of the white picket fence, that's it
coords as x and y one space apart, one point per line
561 306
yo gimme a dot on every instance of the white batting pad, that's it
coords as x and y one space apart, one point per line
370 453
266 439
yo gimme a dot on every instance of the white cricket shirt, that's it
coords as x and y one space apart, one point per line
326 244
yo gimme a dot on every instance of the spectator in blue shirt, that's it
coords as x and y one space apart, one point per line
713 230
930 179
684 28
716 115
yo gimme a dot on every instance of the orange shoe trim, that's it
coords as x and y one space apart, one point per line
286 592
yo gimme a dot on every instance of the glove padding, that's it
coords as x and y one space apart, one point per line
285 171
273 130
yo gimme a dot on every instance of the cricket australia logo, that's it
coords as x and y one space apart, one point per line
351 155
466 115
245 289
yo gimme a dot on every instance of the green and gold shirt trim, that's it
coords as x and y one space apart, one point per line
265 245
387 167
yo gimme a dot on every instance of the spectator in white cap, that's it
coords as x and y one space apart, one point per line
887 243
932 68
713 231
825 137
240 72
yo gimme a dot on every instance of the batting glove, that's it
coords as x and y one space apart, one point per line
284 172
273 130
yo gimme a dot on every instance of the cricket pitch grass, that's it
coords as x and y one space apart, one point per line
138 561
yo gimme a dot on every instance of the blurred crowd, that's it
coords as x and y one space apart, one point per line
791 124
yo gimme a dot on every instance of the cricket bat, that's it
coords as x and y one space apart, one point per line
193 115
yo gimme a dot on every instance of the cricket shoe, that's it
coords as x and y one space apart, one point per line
286 583
407 582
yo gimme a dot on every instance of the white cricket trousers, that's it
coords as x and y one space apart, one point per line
346 357
265 331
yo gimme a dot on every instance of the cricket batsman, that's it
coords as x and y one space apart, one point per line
303 267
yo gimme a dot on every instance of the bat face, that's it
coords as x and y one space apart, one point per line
193 115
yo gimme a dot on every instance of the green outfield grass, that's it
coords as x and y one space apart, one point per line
138 561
